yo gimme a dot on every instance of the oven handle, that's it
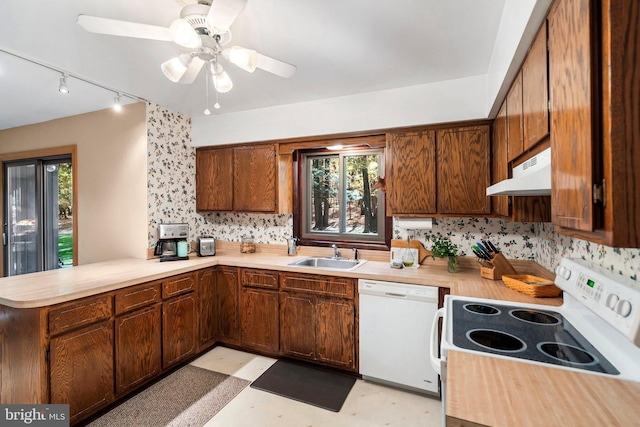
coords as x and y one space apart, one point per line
433 353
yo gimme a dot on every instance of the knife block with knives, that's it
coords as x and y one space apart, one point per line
499 267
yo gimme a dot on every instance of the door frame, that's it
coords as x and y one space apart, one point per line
67 150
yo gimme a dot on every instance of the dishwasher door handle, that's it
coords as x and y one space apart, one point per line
394 295
433 354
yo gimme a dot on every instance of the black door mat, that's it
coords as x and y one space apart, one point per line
307 384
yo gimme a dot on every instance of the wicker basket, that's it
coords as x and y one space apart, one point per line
532 285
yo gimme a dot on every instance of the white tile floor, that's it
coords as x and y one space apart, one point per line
368 404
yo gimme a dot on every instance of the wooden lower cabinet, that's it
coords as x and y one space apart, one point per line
259 324
207 313
138 348
178 329
82 369
297 325
335 332
318 328
228 319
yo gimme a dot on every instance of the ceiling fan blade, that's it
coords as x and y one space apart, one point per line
115 27
192 71
223 12
275 66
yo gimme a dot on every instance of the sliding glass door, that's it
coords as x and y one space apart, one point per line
38 228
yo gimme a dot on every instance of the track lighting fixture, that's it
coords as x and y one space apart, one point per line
62 87
117 106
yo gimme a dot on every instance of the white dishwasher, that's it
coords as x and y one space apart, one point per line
395 323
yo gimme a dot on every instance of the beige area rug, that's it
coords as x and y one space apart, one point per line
190 396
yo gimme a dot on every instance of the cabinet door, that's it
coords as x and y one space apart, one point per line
463 170
138 347
81 365
227 305
297 325
535 98
411 173
260 319
515 146
335 332
572 116
499 163
178 329
214 179
254 178
207 313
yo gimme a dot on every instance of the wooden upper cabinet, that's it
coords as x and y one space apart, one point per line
254 178
515 145
499 164
463 170
411 173
242 179
214 179
594 87
535 97
572 115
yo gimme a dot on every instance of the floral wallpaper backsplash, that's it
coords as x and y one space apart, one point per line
171 198
171 170
534 241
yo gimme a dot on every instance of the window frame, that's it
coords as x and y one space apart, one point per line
300 215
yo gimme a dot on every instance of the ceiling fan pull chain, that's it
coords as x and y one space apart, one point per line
206 85
216 105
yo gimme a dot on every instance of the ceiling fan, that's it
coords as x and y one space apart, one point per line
203 28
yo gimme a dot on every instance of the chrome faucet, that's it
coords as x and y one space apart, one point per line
336 252
355 253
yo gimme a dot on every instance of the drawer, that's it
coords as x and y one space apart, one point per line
259 278
69 316
137 296
303 283
178 285
341 287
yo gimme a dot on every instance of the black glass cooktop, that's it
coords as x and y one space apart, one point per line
536 335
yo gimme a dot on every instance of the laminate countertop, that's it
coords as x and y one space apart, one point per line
67 284
480 390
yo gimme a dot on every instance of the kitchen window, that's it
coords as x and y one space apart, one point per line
38 214
336 201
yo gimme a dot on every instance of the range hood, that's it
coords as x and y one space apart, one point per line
530 178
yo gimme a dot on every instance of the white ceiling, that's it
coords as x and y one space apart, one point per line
340 48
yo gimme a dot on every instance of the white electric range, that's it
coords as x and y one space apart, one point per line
596 330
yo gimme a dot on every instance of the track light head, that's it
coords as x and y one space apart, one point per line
116 103
62 87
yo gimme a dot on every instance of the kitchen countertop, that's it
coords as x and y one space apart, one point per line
498 392
61 285
481 390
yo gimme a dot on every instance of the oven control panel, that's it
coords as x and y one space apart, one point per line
612 297
589 287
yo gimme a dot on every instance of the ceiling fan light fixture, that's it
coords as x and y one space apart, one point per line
247 59
176 67
221 80
184 34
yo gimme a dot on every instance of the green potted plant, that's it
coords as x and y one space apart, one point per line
443 248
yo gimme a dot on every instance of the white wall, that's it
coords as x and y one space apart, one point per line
452 100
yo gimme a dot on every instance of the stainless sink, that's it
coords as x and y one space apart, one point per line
329 263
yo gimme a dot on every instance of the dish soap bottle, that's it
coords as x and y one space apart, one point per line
407 258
